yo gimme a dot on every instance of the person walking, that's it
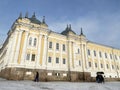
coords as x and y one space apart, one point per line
36 77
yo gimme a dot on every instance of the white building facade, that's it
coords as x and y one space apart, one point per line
31 47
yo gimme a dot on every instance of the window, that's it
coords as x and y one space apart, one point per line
49 59
115 57
94 53
28 57
112 66
100 54
50 44
63 47
107 66
88 52
101 65
117 67
110 56
79 63
35 42
105 55
57 74
96 65
64 61
30 41
33 57
57 46
78 50
57 60
89 64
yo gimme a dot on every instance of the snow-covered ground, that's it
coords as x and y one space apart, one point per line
30 85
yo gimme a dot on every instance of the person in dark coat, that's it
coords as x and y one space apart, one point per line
99 78
37 77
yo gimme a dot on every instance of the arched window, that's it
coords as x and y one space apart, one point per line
30 41
35 42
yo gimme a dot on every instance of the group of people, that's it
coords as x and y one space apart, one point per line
99 78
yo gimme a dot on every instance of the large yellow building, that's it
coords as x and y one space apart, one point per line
31 46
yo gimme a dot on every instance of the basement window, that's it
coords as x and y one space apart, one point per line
57 74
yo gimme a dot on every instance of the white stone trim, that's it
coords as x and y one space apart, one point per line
23 55
39 49
44 52
14 38
18 47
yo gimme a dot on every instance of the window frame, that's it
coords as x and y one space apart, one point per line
94 53
49 59
30 41
88 52
50 45
57 60
33 57
57 46
64 61
63 47
28 56
90 65
35 42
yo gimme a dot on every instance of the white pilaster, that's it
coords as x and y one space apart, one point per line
82 57
17 47
93 62
73 55
14 38
9 49
45 52
103 54
70 55
85 55
110 63
39 49
23 56
98 58
61 58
